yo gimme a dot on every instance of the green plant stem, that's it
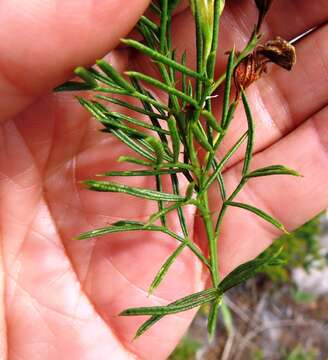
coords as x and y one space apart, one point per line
211 238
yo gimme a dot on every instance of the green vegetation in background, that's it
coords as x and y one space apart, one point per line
300 249
186 350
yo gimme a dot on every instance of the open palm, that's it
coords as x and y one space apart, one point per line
61 297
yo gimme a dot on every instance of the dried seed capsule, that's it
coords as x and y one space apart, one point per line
278 51
249 70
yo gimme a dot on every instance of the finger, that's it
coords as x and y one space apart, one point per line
42 41
291 200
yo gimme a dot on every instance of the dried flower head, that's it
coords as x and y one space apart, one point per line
250 69
278 51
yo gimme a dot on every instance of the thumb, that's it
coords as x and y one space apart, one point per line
42 41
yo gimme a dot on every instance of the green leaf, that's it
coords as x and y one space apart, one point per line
222 163
128 223
142 172
140 146
115 75
165 211
227 91
244 272
187 303
259 213
220 181
131 107
163 26
103 78
73 86
133 160
272 170
124 226
147 22
137 122
211 120
250 141
155 55
154 319
230 115
200 137
211 63
135 94
165 268
157 147
106 186
86 75
110 122
168 89
97 110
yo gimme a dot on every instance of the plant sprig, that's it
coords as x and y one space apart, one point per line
168 140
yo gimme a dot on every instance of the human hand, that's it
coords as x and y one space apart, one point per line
62 297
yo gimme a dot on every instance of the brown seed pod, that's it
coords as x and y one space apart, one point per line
278 51
249 70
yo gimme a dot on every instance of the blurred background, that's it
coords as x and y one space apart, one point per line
281 314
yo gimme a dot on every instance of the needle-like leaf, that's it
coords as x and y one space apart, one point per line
154 319
106 186
185 304
272 170
259 213
86 75
142 172
250 137
245 272
221 164
130 106
227 90
162 86
165 268
155 55
74 86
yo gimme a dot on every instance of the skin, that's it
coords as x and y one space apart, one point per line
61 296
